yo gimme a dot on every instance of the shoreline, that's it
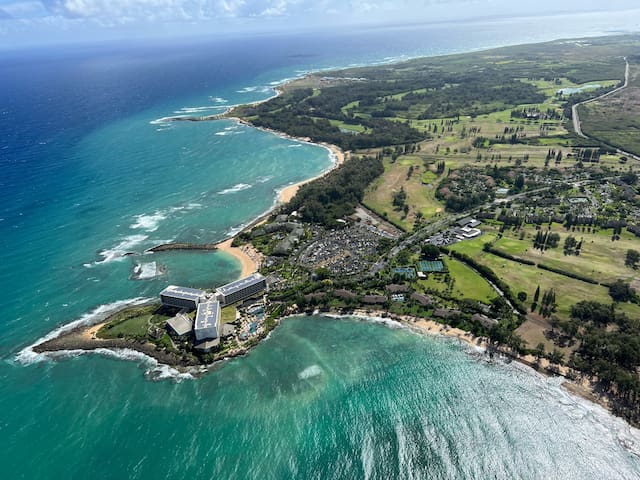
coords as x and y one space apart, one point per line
250 259
573 382
337 155
85 338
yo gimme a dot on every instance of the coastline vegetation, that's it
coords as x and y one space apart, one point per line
486 135
494 124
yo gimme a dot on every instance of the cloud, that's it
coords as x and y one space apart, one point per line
146 11
24 9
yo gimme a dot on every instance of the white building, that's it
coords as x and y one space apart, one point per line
241 289
181 297
207 324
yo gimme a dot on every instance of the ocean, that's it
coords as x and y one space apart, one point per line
90 178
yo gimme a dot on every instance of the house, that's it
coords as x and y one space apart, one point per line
315 296
424 300
395 288
374 299
180 325
484 320
445 313
468 222
344 294
466 233
207 324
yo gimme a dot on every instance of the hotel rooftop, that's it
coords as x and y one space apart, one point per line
185 293
207 322
238 285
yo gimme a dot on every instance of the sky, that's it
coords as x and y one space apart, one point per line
26 23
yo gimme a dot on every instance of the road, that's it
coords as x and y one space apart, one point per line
574 109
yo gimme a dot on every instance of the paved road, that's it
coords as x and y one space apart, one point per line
574 109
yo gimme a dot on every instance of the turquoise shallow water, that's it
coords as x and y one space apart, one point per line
320 399
87 175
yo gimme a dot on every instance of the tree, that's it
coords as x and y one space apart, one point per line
430 252
632 258
519 182
403 257
556 356
399 198
570 244
629 178
522 296
621 291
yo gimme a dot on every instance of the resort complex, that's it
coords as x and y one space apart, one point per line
206 329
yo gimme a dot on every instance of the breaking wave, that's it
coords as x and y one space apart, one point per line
147 271
236 188
27 356
120 250
310 372
149 223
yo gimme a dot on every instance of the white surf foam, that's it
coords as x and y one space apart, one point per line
227 132
218 100
146 271
121 249
149 223
27 356
205 108
310 372
165 120
154 370
236 188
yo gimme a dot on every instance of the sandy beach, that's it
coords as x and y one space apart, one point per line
287 193
250 259
574 382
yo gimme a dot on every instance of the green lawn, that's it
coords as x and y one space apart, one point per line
600 258
466 283
228 314
131 322
526 278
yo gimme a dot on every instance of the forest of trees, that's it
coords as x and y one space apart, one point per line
337 194
611 354
383 107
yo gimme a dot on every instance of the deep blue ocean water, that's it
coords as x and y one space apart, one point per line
88 174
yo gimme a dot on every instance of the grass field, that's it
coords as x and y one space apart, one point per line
527 278
466 283
420 197
600 258
131 322
614 119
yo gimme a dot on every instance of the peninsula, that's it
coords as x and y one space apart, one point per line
469 204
